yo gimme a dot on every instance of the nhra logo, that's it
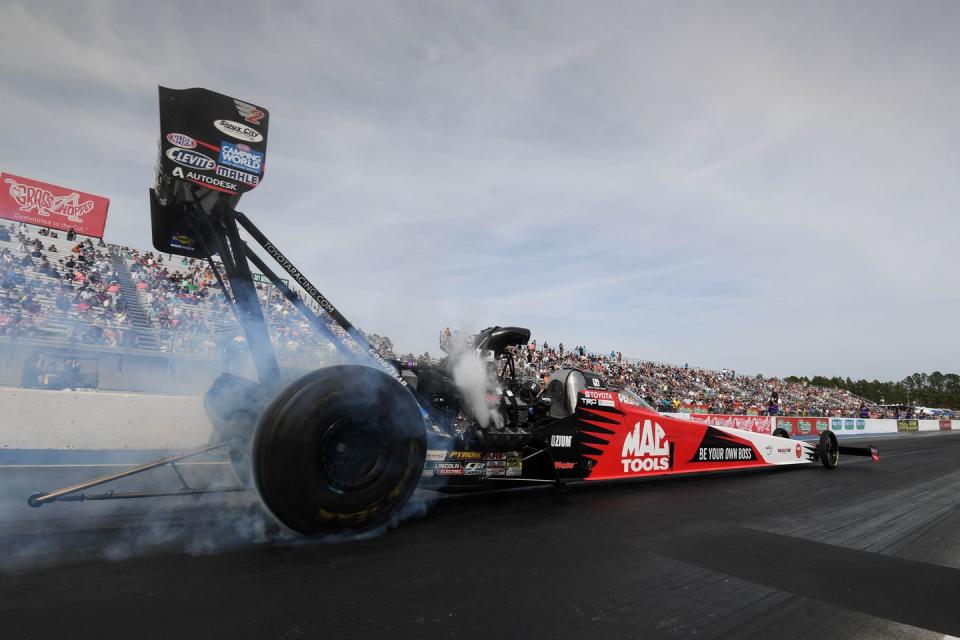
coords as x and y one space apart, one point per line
645 449
29 197
181 140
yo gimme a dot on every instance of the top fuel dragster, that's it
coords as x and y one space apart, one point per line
344 447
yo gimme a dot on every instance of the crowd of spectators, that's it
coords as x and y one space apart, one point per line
682 388
78 289
51 287
183 300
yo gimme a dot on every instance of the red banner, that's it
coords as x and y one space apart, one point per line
945 424
756 424
47 205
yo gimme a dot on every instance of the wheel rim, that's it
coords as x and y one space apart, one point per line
351 455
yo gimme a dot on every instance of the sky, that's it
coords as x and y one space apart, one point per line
768 187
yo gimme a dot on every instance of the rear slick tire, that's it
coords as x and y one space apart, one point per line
339 451
829 450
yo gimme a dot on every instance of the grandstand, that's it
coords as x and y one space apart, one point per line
80 299
676 388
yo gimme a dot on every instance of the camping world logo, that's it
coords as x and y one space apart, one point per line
30 198
645 449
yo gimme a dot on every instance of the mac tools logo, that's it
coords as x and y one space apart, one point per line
645 449
29 197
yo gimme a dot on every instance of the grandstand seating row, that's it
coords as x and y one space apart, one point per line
81 292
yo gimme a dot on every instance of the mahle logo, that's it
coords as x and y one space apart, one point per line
645 449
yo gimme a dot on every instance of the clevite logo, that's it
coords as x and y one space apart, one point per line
181 140
645 449
249 112
240 156
237 130
191 159
29 197
561 441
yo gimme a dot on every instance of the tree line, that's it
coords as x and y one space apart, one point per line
937 390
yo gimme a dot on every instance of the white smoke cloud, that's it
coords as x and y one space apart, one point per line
474 377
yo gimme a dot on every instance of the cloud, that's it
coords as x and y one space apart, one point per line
768 188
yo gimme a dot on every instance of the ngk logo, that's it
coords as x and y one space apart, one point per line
645 449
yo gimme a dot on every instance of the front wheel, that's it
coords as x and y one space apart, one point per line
340 450
829 450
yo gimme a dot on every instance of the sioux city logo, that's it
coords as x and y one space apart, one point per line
645 449
29 198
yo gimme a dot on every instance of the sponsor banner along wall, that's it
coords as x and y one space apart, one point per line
49 205
813 426
908 425
756 424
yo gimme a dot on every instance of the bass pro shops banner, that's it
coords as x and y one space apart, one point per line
48 205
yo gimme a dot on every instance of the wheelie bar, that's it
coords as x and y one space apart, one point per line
867 452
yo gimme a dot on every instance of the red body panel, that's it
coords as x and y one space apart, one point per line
622 440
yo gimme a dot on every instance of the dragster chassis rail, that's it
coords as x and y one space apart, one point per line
71 493
222 227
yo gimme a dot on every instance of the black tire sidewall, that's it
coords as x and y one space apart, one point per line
828 443
285 450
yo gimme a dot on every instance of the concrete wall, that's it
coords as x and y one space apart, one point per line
101 420
66 420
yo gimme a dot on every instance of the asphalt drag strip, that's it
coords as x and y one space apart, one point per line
865 551
907 591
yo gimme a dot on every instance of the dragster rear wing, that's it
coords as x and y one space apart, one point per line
212 150
867 451
207 140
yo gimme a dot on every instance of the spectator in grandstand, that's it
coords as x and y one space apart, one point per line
71 234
